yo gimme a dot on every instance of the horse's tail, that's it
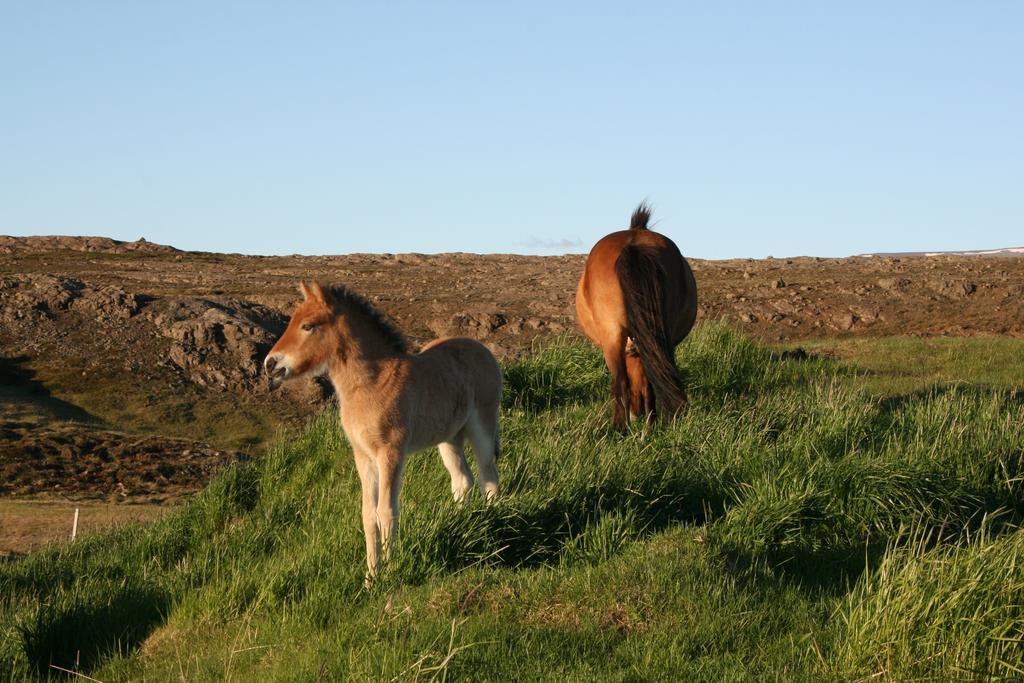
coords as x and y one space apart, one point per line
643 287
641 217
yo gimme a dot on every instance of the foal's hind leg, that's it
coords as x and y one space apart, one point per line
454 457
483 434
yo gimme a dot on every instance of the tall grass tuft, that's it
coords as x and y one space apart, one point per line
935 612
718 362
565 371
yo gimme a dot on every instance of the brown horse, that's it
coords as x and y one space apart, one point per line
637 300
394 403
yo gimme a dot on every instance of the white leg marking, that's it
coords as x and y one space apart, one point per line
454 457
482 438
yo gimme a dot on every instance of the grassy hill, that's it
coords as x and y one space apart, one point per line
800 522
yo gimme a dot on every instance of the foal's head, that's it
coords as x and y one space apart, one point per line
331 322
309 340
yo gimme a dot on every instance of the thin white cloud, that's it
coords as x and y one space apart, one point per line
552 244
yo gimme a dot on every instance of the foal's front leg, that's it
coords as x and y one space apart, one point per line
389 465
369 478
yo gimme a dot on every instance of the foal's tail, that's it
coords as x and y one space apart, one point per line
643 286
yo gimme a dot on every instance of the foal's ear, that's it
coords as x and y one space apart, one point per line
312 290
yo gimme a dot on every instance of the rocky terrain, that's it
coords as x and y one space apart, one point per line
69 461
132 370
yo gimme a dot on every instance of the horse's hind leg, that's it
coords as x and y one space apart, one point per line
615 359
483 435
641 396
454 457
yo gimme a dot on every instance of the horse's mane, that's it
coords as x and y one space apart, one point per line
341 297
641 217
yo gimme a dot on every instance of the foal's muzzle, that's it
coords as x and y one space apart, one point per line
277 373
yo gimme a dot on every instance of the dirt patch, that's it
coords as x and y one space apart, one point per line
30 525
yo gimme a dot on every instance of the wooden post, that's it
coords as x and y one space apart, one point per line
74 526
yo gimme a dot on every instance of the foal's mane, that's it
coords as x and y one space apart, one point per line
343 300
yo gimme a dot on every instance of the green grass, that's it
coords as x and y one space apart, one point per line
953 608
794 525
895 365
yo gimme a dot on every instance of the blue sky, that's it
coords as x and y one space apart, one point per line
754 128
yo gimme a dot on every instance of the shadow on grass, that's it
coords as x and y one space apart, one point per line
829 571
894 404
18 384
77 636
531 533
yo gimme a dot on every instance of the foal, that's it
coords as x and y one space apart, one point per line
394 403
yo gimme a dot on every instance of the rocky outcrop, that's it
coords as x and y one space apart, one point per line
103 245
485 325
219 342
893 284
954 289
27 298
463 324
